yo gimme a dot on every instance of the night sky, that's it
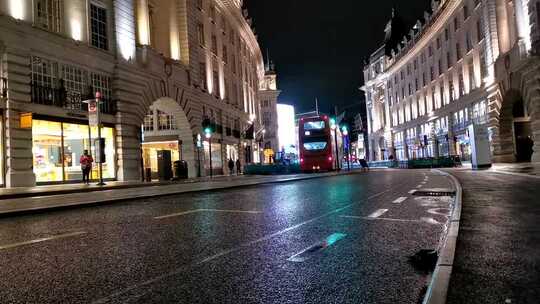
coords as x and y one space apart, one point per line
319 46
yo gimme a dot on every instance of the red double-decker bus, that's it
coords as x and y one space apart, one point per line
315 142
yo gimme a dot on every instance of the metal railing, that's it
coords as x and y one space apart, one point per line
71 100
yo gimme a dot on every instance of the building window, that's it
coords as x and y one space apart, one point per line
214 44
149 122
438 42
461 82
225 55
442 96
479 31
431 73
448 60
166 121
98 24
216 84
472 79
44 72
200 4
415 64
440 67
49 15
451 88
483 65
200 34
468 41
456 24
465 12
458 51
202 75
446 34
430 51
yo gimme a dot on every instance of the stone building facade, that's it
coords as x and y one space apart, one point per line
466 62
161 66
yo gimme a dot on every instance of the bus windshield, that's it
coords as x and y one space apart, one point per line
315 146
314 125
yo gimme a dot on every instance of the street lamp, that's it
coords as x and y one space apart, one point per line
94 119
345 132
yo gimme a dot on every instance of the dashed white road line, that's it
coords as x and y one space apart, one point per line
378 213
412 191
400 200
204 210
419 186
422 220
40 240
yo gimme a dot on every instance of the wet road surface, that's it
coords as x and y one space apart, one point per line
344 239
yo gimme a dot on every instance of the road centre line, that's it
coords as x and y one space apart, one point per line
182 269
40 240
400 200
378 213
205 210
419 186
412 191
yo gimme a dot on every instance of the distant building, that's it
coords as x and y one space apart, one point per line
466 62
268 96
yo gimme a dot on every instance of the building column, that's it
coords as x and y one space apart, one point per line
451 135
18 142
128 147
501 125
435 144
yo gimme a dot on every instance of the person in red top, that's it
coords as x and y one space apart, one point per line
86 161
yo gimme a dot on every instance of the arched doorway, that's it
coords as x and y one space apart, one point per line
167 137
515 130
523 136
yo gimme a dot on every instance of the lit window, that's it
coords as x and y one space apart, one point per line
49 14
98 24
200 32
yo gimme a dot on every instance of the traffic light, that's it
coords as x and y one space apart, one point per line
332 123
345 130
207 126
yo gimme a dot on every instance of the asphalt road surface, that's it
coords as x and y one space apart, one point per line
344 239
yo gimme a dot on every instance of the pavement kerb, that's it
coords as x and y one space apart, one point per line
440 281
34 210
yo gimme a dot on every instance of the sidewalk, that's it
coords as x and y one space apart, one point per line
497 257
47 198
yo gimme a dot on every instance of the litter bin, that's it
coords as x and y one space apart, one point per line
180 169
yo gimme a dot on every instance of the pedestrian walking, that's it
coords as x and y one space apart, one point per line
364 164
238 167
231 166
86 161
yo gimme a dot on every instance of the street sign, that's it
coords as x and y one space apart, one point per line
93 119
25 120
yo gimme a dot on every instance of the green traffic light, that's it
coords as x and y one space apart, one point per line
207 130
344 128
332 121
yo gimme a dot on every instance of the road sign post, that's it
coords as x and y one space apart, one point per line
94 119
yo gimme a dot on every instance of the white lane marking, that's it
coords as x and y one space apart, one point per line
422 220
329 241
182 269
40 240
378 213
204 210
412 191
399 200
419 186
437 211
379 219
423 183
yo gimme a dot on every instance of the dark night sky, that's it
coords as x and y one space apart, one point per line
318 46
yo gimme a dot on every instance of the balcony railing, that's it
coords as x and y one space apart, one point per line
71 100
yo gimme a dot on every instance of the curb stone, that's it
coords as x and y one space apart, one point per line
440 280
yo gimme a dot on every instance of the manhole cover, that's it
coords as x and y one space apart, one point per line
435 192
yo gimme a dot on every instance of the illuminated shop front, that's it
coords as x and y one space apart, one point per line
217 160
150 154
58 146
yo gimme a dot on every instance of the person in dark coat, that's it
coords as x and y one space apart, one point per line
231 166
238 167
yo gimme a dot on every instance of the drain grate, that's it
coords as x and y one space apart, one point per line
435 192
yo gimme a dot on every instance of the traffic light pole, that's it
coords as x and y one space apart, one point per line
210 154
98 110
337 149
